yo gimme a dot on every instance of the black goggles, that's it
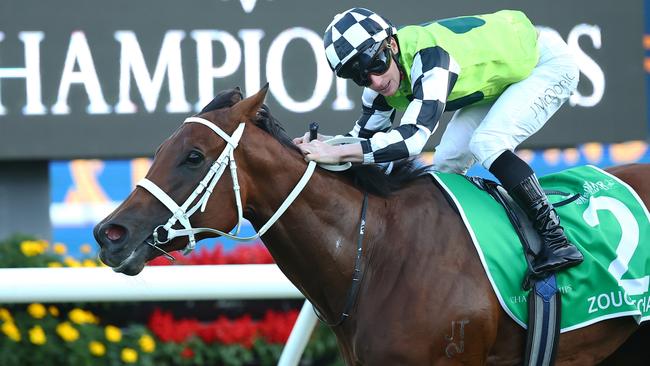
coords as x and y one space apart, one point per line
375 61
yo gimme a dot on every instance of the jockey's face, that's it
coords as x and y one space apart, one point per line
387 83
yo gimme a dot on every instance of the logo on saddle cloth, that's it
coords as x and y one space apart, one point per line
607 223
592 188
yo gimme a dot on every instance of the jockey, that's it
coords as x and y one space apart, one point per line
503 79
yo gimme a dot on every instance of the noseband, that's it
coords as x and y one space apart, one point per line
181 214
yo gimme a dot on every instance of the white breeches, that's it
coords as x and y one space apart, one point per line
482 132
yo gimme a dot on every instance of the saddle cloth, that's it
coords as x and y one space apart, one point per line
608 222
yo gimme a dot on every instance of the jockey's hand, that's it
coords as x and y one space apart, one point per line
319 151
305 138
331 154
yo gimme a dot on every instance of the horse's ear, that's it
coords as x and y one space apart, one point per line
248 107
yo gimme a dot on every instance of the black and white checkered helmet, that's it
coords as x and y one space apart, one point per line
354 31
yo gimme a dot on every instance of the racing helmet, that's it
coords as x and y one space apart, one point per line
354 32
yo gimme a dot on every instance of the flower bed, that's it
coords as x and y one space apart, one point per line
64 334
241 254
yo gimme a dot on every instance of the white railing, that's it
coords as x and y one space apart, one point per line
245 282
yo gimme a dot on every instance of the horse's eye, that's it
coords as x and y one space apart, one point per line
194 157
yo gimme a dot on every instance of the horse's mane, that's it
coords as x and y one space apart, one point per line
369 178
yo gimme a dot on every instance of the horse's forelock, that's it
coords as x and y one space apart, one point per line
224 99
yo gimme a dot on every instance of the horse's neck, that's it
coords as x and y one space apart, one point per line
314 242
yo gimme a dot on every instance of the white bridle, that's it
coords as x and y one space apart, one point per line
205 187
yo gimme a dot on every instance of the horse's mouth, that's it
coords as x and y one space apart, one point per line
134 263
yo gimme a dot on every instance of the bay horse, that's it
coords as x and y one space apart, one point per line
423 298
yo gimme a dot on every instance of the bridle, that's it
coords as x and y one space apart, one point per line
205 187
182 213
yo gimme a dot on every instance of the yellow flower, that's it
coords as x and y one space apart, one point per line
67 332
71 262
37 311
54 265
89 263
129 355
43 243
37 335
147 344
54 311
11 331
86 248
113 334
5 315
80 316
32 248
96 348
60 248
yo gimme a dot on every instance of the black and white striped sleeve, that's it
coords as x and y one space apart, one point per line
433 75
376 115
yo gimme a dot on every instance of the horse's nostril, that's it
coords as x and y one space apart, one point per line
114 232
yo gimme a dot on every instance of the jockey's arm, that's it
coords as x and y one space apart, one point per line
376 116
433 75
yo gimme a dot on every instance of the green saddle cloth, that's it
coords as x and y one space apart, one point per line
609 224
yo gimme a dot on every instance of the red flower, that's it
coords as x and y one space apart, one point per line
163 325
250 254
239 331
241 254
204 256
187 353
276 327
162 261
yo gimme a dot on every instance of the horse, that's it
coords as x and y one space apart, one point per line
423 297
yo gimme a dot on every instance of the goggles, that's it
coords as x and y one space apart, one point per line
374 61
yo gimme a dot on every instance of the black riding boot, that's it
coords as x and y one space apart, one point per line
519 180
556 252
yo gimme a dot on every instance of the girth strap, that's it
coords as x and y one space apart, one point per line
544 314
356 275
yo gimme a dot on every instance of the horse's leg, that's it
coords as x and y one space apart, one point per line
510 342
345 351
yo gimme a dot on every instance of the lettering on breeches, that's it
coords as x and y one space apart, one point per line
456 345
552 94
